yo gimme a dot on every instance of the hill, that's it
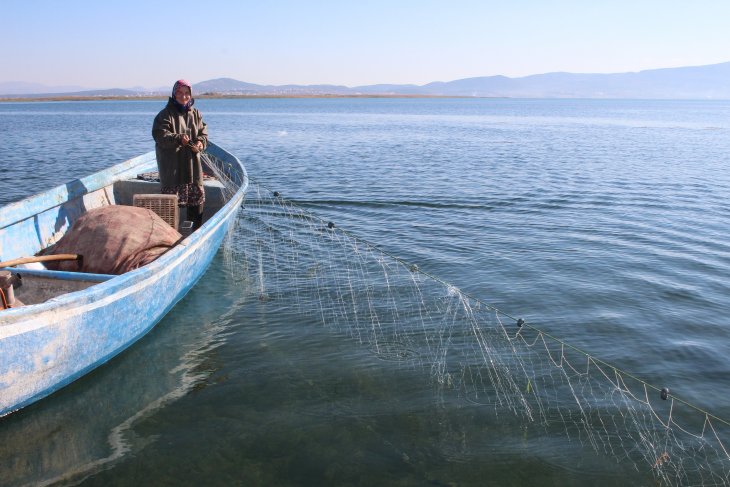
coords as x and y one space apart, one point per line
694 82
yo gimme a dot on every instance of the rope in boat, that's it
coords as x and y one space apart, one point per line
4 299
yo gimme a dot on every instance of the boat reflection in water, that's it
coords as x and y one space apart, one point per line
87 426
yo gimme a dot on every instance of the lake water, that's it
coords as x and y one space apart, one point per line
601 222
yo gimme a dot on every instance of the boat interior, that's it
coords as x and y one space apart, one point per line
32 283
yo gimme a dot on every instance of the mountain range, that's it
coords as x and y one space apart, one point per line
694 82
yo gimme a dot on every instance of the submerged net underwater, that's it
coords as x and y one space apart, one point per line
497 373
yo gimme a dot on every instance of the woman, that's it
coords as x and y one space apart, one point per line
180 135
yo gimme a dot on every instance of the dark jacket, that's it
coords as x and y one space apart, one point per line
177 164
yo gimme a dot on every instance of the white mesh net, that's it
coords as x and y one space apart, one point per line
475 355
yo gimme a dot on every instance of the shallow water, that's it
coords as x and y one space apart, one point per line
603 223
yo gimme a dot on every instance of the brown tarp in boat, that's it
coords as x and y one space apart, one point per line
113 240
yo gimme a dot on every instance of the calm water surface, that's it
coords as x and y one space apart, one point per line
604 223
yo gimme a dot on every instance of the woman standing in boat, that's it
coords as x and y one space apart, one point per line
180 135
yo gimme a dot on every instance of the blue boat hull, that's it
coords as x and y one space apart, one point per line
45 346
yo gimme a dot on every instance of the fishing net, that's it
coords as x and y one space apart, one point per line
114 239
473 354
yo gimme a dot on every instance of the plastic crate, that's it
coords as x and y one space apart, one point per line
164 205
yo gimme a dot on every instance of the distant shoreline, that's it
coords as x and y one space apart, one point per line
202 97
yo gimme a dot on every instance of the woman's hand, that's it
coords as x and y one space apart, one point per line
185 140
196 146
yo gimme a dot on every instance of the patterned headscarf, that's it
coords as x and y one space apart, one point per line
178 84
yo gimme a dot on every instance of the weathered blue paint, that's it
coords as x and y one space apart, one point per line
45 346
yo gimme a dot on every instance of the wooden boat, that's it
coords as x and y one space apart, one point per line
73 322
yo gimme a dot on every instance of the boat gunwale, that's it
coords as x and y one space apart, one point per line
32 205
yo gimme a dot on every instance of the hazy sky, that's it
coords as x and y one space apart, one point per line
150 43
